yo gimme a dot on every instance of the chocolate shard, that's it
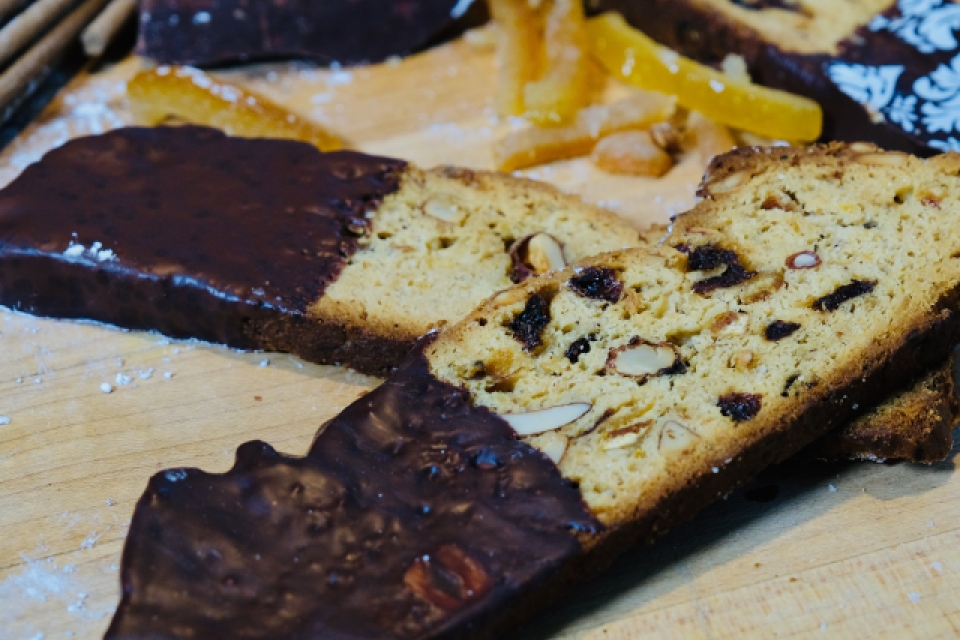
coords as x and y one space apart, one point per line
204 33
188 232
412 516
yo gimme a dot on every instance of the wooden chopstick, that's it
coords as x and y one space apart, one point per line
104 29
27 72
25 28
9 6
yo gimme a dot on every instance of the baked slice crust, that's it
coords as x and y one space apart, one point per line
648 416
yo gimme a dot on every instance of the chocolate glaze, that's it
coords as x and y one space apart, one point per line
708 36
201 235
205 32
414 515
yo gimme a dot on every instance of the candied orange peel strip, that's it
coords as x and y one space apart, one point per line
519 45
563 87
191 95
630 55
537 145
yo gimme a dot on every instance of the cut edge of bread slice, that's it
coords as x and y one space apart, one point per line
615 421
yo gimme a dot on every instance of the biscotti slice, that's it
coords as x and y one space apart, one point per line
878 68
270 244
586 408
915 425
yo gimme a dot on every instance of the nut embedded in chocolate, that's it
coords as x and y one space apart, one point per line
832 301
530 323
449 579
779 329
597 284
740 407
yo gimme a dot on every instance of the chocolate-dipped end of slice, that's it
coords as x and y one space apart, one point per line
360 31
191 233
414 515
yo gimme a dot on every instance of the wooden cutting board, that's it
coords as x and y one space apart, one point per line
837 551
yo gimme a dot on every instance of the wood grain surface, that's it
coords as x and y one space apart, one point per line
834 551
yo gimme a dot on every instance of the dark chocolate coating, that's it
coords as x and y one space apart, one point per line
202 235
708 36
205 32
414 515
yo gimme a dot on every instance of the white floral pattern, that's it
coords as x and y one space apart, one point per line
871 86
926 24
922 98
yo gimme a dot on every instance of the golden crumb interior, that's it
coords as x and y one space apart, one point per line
646 374
441 245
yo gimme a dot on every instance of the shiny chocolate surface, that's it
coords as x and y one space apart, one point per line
413 515
184 230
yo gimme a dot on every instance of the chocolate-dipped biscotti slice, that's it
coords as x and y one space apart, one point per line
880 69
570 415
270 244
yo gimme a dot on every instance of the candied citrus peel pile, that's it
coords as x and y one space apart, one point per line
633 57
545 66
193 96
537 145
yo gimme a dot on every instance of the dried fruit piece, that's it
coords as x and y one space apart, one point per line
740 407
192 95
832 301
530 323
542 420
628 54
779 329
579 347
538 145
632 153
448 578
803 260
642 359
707 258
598 284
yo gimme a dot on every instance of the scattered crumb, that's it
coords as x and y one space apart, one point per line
265 362
119 362
110 503
37 380
176 350
793 579
823 625
19 380
258 398
930 523
914 597
168 374
832 488
123 379
90 541
937 566
106 387
145 375
4 420
715 470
